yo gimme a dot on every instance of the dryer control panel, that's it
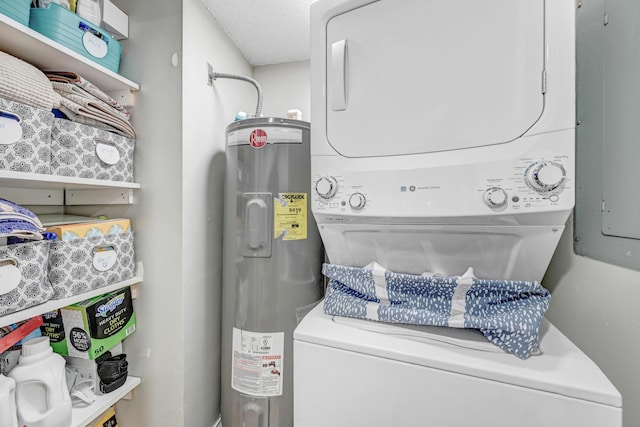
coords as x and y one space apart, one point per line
528 184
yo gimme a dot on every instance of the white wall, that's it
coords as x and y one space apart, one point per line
155 352
177 215
206 111
286 87
596 304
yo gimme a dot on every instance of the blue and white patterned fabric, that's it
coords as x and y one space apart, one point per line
18 221
507 312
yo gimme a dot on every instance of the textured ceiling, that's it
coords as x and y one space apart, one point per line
265 31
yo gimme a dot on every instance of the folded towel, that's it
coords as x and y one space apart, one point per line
24 83
78 108
71 89
507 312
83 102
18 221
80 82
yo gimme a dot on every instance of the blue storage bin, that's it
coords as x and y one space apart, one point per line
17 10
77 34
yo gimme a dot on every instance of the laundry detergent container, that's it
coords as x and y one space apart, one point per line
18 10
7 402
78 34
42 397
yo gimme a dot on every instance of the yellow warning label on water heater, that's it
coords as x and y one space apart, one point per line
290 216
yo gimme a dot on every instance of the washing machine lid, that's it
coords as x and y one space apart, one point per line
406 77
561 367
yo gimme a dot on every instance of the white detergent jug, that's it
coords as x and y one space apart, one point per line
8 402
42 397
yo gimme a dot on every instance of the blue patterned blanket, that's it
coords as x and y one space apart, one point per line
507 312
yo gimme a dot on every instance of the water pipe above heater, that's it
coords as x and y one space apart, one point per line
214 76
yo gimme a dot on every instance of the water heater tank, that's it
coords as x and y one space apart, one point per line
271 267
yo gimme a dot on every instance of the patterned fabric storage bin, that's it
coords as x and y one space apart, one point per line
23 278
82 265
25 138
17 10
87 152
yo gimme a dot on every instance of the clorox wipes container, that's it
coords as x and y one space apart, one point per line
7 402
42 397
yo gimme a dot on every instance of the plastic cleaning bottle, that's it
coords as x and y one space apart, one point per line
8 402
42 397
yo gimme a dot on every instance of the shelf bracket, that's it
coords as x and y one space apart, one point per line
124 97
32 196
98 197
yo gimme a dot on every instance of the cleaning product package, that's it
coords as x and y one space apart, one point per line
95 326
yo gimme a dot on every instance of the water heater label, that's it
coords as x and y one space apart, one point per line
258 137
290 216
257 363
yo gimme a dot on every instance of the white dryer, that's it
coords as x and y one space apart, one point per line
443 133
442 139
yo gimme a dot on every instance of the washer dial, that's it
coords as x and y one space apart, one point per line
327 187
357 201
495 197
545 176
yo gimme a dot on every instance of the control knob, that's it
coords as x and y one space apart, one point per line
327 187
545 176
357 201
495 197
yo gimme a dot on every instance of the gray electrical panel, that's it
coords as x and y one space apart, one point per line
607 212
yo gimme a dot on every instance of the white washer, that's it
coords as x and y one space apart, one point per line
349 375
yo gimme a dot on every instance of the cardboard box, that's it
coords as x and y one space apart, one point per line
53 328
108 419
90 229
115 20
95 326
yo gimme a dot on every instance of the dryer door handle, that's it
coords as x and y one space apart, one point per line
338 75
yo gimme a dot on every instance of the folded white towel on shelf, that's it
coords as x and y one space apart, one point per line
22 82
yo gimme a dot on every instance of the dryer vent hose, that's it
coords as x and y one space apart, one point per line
246 79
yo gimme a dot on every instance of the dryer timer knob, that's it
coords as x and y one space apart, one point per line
357 201
327 187
495 197
545 176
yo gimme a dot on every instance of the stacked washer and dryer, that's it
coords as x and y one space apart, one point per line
443 139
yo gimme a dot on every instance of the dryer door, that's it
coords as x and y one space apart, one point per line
415 76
